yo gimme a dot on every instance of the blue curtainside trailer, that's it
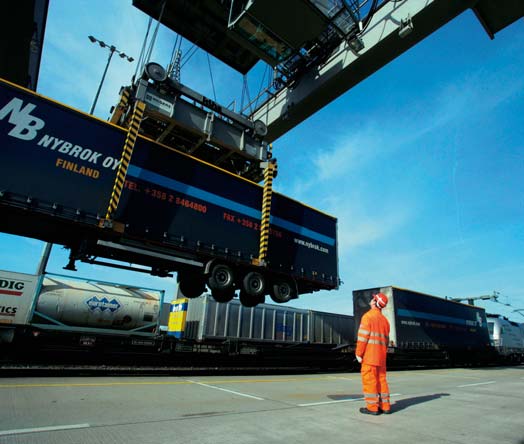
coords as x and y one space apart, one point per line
425 327
106 192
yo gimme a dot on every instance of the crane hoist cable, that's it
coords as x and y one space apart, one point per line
261 87
155 33
189 54
142 51
245 90
211 75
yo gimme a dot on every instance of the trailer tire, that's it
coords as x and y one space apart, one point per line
223 296
248 300
283 291
254 284
191 285
221 278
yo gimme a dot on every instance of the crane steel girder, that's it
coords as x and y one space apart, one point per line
203 22
394 28
495 16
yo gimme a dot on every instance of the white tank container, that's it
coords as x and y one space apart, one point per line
93 304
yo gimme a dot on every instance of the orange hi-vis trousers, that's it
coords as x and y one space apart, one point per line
375 388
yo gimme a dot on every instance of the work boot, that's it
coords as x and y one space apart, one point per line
365 411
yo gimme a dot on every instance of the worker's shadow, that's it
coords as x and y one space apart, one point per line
402 404
397 405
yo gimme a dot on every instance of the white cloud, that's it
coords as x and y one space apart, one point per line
456 102
345 170
352 151
72 66
362 222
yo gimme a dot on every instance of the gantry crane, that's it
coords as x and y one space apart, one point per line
318 49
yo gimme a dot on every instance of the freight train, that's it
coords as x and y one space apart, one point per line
72 319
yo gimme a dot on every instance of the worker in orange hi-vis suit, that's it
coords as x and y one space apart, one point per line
372 345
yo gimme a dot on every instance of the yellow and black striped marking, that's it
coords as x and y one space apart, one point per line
120 108
132 134
266 211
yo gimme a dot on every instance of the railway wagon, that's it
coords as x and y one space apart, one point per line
106 192
204 319
507 337
74 306
427 328
262 336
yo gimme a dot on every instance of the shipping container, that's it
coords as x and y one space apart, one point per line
423 322
88 303
59 169
56 303
208 320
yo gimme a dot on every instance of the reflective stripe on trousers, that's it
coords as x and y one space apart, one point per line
375 387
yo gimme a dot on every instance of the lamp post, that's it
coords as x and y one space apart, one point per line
112 49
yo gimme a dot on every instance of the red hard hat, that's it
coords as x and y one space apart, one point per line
381 300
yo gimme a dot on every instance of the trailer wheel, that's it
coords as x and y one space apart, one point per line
254 284
282 291
223 295
191 287
248 300
221 278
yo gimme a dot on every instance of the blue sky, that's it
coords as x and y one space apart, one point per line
422 163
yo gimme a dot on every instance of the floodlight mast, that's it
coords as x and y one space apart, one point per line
112 49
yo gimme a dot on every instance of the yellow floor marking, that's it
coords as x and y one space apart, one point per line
106 384
88 384
391 376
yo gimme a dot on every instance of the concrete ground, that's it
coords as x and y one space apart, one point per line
480 405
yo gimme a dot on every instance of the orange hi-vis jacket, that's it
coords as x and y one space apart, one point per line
373 338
